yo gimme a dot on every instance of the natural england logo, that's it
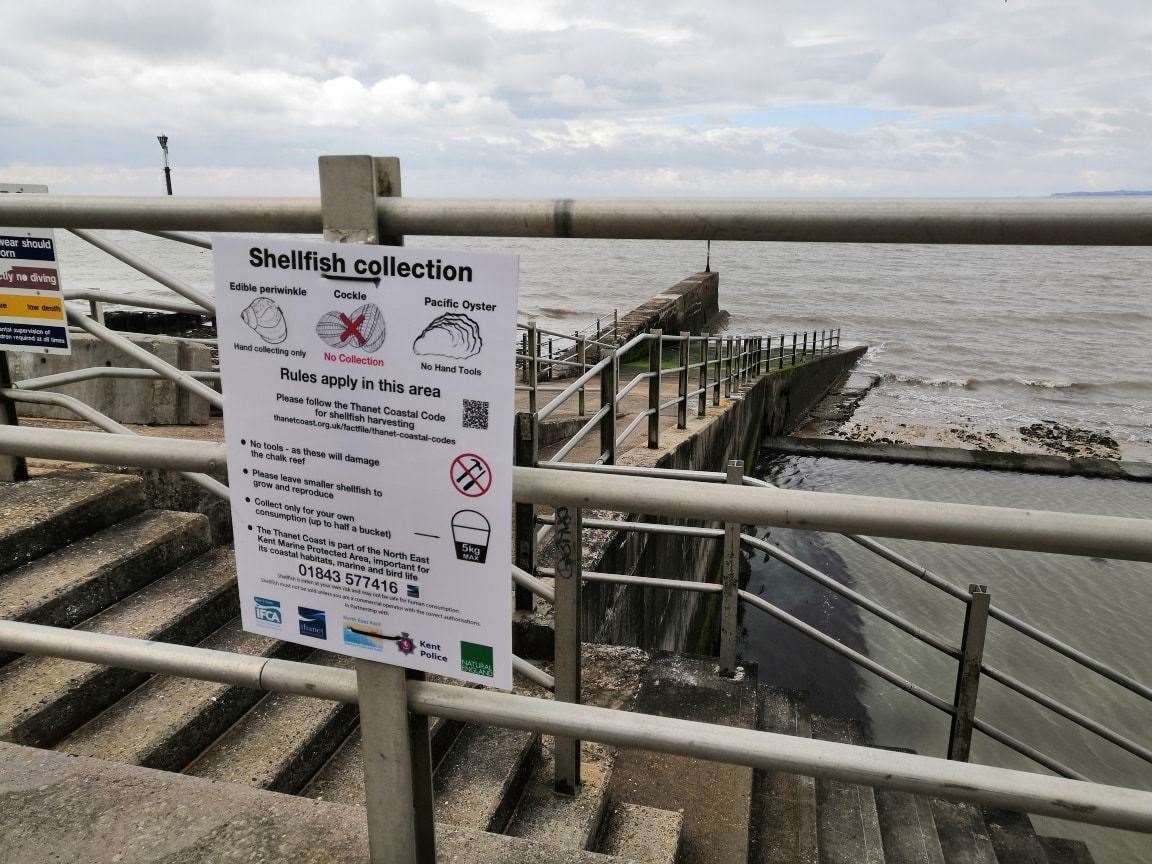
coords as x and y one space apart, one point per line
363 328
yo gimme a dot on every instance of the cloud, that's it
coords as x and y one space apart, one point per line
588 98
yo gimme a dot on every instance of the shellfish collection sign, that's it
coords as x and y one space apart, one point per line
368 408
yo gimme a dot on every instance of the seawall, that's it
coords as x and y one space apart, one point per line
661 619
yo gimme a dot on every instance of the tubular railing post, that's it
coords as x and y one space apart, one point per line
793 349
655 361
608 400
532 367
567 620
397 756
781 364
702 401
12 468
728 372
968 673
526 454
730 579
582 358
719 372
685 357
804 345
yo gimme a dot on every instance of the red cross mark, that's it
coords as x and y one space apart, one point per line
352 329
470 475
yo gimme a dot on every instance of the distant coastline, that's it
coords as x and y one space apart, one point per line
1116 193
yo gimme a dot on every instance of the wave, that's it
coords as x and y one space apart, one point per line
1128 386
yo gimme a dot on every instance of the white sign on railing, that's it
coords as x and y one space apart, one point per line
369 398
32 316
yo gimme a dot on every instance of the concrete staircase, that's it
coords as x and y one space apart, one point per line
81 549
806 821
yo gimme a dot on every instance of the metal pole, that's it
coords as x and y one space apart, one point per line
685 356
163 139
702 400
12 468
793 349
781 364
567 620
655 362
397 769
533 368
728 374
526 453
395 743
730 577
719 371
608 400
582 357
968 672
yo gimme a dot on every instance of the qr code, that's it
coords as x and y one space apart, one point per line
475 414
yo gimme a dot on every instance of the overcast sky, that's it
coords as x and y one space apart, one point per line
760 98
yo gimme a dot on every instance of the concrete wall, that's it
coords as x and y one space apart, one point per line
691 305
661 619
143 401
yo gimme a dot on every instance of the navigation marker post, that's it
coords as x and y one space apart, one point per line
368 420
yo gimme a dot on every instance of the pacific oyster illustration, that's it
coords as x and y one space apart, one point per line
363 328
449 335
267 319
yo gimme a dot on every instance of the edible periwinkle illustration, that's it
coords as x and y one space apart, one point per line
267 319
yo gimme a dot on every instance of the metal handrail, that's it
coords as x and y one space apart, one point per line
672 497
855 597
176 284
144 302
1094 803
177 376
59 379
86 412
1049 222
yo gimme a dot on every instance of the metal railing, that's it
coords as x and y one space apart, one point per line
723 364
1087 535
1060 221
969 654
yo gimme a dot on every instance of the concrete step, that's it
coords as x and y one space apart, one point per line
65 808
783 829
166 722
847 824
283 741
342 777
907 825
45 513
46 698
1013 837
714 798
642 834
1061 850
963 835
479 781
569 821
907 828
74 583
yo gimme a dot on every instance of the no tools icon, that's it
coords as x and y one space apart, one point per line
470 533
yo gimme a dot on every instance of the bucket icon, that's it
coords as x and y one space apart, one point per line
470 532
